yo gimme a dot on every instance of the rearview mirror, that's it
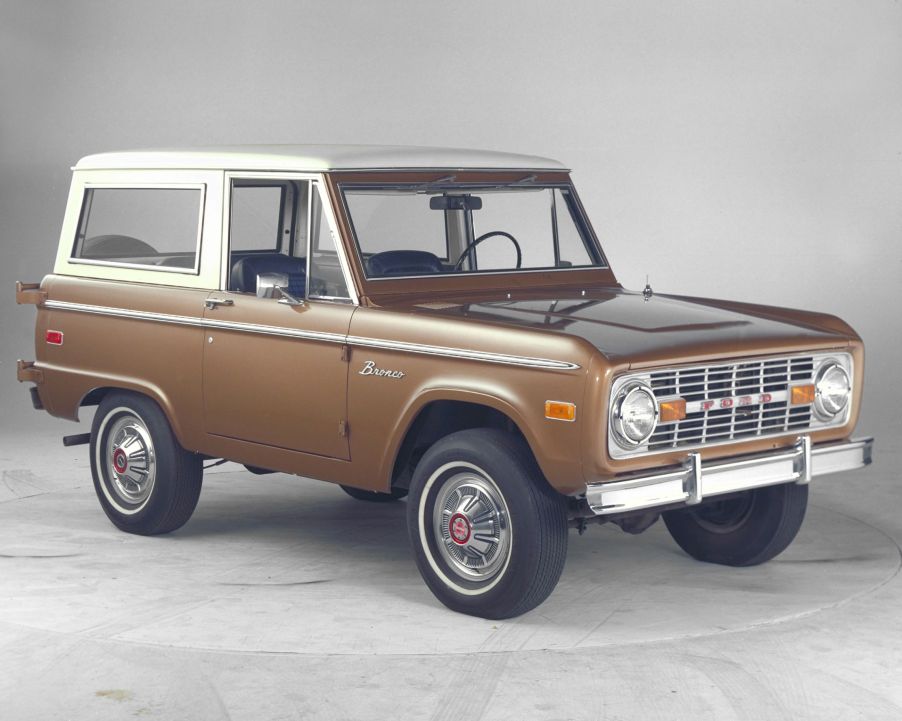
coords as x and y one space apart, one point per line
455 202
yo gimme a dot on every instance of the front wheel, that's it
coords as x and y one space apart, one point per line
743 530
146 482
488 532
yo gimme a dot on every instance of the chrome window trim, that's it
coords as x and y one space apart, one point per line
93 185
359 341
617 452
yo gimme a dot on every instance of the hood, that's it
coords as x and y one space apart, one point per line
623 324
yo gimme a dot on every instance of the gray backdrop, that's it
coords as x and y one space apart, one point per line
749 151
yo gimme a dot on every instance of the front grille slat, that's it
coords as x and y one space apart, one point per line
729 380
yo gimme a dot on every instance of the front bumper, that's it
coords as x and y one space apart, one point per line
695 481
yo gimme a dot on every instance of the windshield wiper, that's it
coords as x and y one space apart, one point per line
423 187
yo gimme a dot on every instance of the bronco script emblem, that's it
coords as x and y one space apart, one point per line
370 369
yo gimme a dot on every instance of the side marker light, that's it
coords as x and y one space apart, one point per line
560 410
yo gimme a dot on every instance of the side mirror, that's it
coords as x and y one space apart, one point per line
269 283
287 298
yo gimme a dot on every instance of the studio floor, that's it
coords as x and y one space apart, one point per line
283 598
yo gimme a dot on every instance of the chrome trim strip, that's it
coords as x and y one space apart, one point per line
522 361
461 353
124 313
274 330
696 481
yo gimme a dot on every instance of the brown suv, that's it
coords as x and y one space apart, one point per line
432 323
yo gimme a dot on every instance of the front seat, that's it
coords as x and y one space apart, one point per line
246 269
403 262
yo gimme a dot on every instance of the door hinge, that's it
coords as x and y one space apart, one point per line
345 352
343 429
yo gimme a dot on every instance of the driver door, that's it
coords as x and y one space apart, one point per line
274 373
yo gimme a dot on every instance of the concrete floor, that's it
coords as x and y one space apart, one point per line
285 599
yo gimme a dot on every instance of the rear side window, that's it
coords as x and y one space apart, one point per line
157 228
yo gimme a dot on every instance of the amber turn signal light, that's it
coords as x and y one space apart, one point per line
560 410
670 411
802 395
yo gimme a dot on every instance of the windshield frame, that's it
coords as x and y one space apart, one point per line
394 287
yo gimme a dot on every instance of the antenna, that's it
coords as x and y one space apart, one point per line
647 292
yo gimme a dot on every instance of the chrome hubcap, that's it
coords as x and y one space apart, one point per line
471 526
132 465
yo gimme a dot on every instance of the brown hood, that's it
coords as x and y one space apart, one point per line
624 325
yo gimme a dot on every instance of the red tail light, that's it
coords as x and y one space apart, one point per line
54 337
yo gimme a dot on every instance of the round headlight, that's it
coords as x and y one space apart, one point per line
831 390
634 415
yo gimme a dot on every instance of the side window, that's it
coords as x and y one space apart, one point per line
256 213
326 277
267 235
157 228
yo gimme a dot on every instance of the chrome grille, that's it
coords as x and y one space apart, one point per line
763 408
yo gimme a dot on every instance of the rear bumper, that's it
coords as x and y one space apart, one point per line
695 481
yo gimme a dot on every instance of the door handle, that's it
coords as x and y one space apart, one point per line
211 303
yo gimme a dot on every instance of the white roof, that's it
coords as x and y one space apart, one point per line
316 158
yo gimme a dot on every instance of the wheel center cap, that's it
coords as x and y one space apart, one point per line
120 461
460 529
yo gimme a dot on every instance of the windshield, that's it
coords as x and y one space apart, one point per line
427 230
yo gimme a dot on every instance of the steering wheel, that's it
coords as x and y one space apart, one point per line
486 236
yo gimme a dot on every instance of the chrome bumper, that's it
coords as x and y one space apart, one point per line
695 481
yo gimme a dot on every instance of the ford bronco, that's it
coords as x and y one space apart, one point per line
431 323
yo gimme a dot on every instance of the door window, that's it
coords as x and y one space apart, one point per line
267 235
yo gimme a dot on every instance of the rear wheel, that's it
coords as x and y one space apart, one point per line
488 532
145 481
743 530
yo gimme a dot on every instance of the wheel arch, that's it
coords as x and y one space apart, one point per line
438 413
95 396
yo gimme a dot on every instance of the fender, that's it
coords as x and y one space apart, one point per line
559 473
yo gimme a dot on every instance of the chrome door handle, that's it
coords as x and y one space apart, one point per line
211 303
